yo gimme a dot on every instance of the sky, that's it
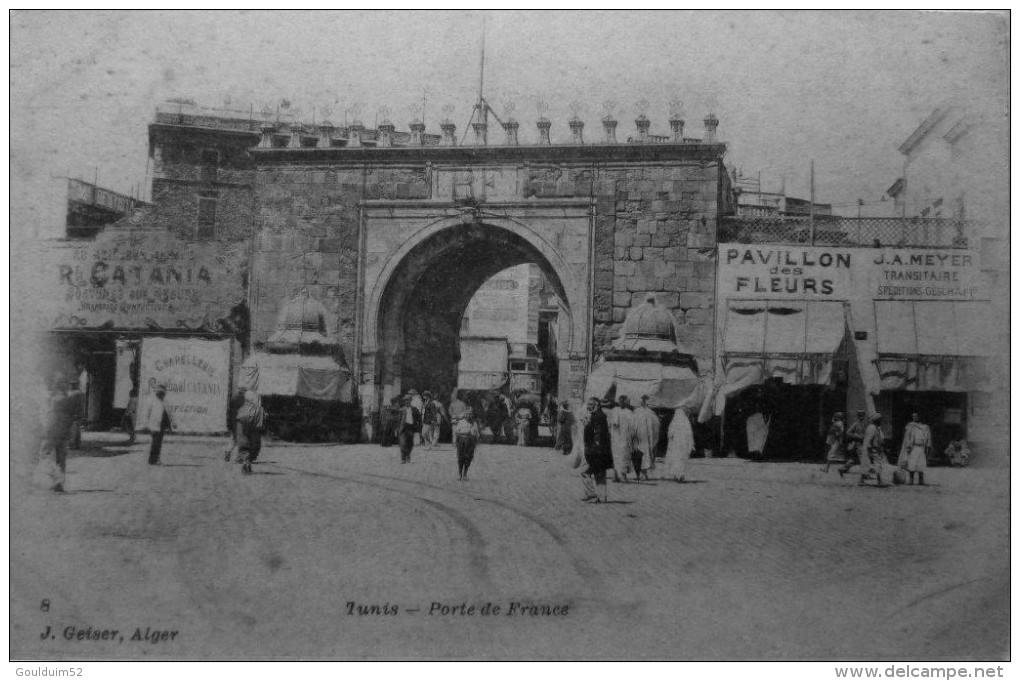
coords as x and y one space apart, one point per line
842 89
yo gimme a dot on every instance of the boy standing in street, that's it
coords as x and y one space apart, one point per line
158 422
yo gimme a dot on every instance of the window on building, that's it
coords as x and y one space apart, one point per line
210 164
206 227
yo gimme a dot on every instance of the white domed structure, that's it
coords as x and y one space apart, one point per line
300 324
648 360
649 332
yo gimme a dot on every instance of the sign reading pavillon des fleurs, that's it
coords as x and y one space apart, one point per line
750 271
143 278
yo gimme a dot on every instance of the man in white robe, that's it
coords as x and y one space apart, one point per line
646 429
681 444
621 435
916 447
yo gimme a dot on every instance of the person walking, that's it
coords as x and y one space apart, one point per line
680 445
598 454
551 409
835 450
390 423
158 421
408 426
466 434
523 420
127 421
565 428
251 421
915 449
457 406
233 408
76 410
495 416
621 430
646 438
433 418
418 403
854 444
874 461
56 420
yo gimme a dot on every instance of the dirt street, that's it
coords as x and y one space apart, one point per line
342 552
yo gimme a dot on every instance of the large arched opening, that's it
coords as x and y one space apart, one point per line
420 302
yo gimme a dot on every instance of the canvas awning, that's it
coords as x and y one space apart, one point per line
792 340
667 387
311 376
933 345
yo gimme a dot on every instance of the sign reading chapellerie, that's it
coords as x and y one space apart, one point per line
196 375
821 273
141 279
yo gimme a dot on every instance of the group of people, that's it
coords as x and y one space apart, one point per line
608 435
625 441
420 419
862 444
61 418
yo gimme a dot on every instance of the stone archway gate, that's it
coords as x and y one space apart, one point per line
555 233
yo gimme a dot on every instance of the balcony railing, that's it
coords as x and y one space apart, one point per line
831 230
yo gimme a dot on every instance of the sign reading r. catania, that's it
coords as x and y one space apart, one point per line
131 279
817 272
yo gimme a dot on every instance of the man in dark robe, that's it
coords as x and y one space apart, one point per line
598 454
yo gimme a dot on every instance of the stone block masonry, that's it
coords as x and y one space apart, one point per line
664 216
313 217
391 239
653 224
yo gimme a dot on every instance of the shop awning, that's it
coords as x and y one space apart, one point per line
933 345
667 387
311 376
792 340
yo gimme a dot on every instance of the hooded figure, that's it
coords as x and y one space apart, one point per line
834 441
681 444
646 433
874 457
621 429
915 448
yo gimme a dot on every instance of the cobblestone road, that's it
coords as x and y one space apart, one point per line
750 561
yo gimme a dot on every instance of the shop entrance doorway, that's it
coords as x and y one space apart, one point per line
798 418
944 412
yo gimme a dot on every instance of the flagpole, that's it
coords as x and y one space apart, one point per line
812 207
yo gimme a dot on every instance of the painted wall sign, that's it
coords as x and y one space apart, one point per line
197 378
146 279
748 271
501 307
